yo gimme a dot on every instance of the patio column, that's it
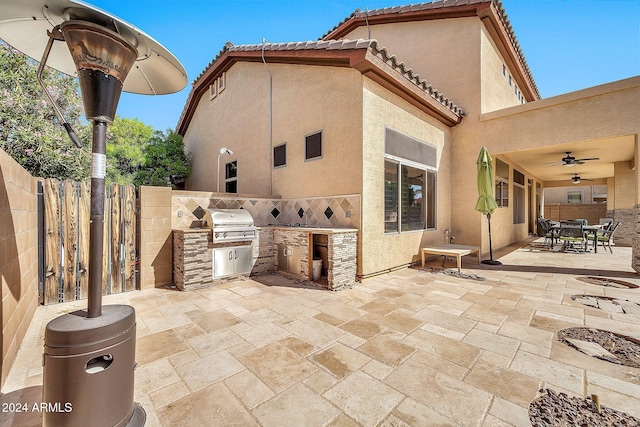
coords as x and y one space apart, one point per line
635 252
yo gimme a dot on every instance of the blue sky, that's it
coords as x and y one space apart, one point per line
569 44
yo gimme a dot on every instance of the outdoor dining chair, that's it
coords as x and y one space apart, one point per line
572 233
547 231
606 237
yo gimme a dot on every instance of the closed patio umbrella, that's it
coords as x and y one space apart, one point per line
486 203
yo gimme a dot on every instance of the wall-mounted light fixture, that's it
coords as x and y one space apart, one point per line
223 150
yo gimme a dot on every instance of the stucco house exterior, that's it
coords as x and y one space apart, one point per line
393 105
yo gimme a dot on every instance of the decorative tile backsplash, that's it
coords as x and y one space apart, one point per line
335 211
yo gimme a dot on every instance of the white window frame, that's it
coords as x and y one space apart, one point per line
574 192
404 162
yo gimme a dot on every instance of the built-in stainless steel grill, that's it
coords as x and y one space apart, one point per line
230 225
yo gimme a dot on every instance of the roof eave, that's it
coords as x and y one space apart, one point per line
486 10
361 59
353 22
228 58
373 67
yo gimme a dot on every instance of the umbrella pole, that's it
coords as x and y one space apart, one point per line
490 261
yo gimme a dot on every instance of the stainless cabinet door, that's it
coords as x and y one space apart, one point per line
282 257
293 254
223 262
243 259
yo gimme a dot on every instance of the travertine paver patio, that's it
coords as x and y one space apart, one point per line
408 348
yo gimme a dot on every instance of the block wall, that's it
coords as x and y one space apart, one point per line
156 253
18 256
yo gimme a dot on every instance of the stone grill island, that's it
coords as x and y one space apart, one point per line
289 250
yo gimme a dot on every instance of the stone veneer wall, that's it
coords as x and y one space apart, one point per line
18 256
193 258
343 254
628 228
635 249
264 252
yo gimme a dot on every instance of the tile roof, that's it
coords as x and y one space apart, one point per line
442 4
415 78
403 9
382 57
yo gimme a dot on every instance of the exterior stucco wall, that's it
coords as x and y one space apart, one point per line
611 194
625 185
503 229
625 206
18 257
237 117
498 89
380 251
461 61
588 114
306 99
578 116
445 52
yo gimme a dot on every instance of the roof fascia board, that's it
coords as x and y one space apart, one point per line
352 23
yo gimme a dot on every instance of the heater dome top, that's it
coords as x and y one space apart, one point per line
24 24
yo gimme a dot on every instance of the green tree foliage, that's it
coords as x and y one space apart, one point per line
31 133
165 161
126 141
29 130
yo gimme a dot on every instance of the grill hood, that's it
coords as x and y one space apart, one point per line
228 218
230 225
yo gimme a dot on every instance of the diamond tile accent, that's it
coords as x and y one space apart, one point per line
314 210
328 213
198 212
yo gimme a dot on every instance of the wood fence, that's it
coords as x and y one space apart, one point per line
65 239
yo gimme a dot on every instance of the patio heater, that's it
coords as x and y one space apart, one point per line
89 355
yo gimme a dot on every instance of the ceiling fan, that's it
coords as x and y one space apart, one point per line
569 160
576 179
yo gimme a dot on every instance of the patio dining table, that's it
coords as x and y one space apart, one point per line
588 229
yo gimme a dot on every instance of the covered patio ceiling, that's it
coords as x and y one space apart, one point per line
546 162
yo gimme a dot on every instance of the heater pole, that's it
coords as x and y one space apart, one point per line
98 172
